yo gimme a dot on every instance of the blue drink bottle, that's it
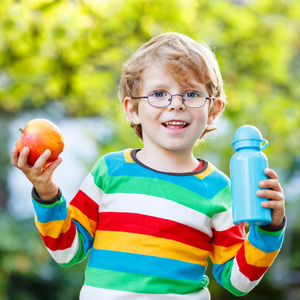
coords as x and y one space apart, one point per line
246 170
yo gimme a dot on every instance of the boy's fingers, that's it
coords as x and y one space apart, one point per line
22 161
39 164
14 155
50 169
270 194
271 174
270 183
273 204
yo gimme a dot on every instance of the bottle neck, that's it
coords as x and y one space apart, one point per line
249 144
248 148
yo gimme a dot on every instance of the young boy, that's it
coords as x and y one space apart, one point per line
152 216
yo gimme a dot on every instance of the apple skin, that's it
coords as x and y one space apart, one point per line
39 135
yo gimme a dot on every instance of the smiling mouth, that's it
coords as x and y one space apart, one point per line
175 124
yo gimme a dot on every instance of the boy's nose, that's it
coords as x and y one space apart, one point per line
176 103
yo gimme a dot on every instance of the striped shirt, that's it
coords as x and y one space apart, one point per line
150 233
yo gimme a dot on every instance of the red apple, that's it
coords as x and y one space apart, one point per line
40 135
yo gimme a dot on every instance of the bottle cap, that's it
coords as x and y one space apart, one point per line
248 136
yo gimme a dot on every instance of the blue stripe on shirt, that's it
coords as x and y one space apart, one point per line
52 213
141 264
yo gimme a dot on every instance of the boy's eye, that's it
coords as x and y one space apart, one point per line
158 94
192 94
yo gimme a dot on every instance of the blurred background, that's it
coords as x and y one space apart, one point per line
62 60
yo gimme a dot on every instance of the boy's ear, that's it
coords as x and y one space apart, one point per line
215 110
131 111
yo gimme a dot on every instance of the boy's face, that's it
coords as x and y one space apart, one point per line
175 127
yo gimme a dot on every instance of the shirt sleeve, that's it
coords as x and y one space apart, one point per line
241 260
68 231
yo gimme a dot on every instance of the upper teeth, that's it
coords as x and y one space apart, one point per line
175 123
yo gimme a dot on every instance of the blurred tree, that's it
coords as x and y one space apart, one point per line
72 52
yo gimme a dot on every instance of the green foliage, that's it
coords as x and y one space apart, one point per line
26 268
72 52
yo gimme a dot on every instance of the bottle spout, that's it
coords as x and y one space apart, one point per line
248 136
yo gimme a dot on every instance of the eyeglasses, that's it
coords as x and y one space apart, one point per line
190 99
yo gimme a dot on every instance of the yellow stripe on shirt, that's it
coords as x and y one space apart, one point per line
149 245
127 155
256 257
53 228
87 223
222 254
209 170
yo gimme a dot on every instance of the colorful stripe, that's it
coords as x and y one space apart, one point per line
222 220
267 242
127 156
66 255
149 245
53 229
251 271
229 237
151 233
221 255
210 168
91 191
154 206
117 167
94 293
169 191
141 283
86 205
161 189
62 241
44 214
255 256
79 216
144 264
163 228
239 281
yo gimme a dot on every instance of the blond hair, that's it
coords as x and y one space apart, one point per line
180 56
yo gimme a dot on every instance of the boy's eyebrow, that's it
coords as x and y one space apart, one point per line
162 86
157 86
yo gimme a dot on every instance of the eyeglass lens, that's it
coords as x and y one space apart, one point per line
190 99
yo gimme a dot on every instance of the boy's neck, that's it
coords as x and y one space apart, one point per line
170 161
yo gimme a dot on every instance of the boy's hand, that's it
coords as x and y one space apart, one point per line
276 196
41 178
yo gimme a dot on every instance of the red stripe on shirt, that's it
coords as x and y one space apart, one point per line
199 166
251 272
63 241
229 237
158 227
86 205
